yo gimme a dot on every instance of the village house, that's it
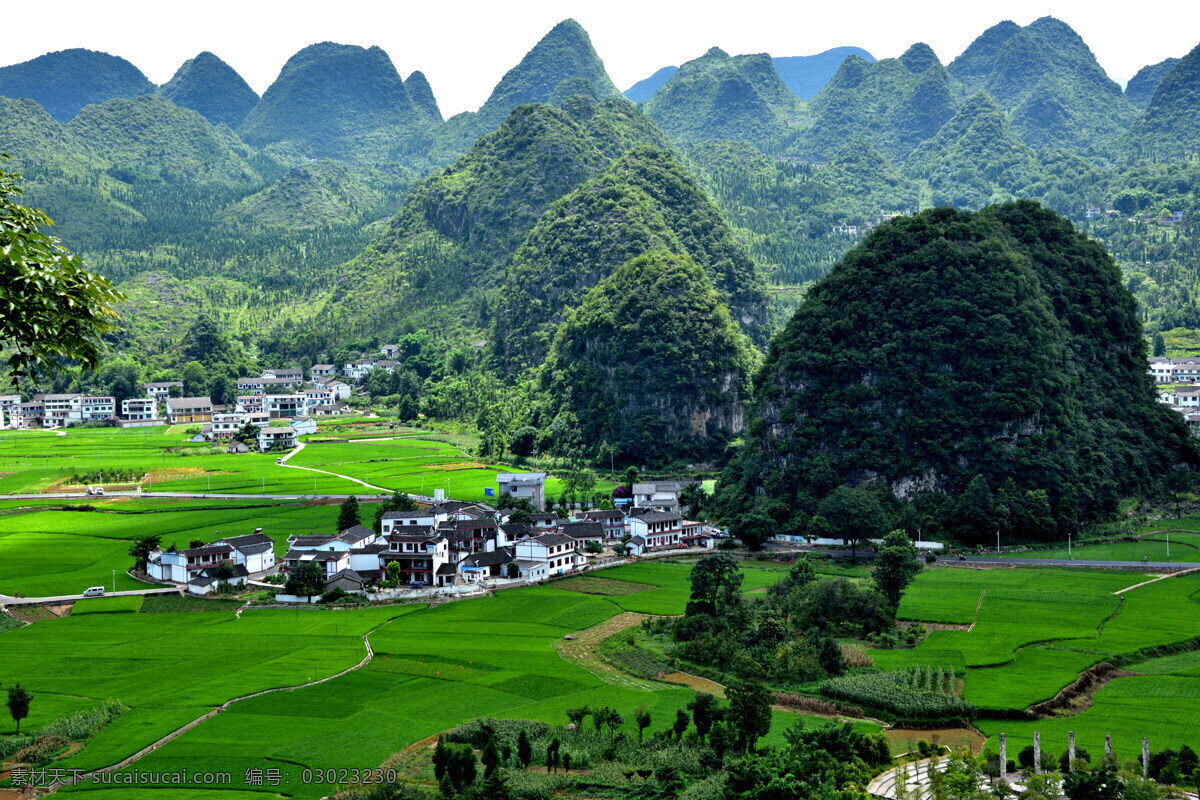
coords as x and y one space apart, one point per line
161 390
529 486
85 408
401 519
390 350
249 386
304 425
556 550
662 494
612 519
335 410
249 403
340 389
284 437
226 426
184 410
139 408
491 564
584 532
318 396
284 405
27 416
57 409
545 521
658 529
323 371
421 555
296 376
471 535
209 580
693 535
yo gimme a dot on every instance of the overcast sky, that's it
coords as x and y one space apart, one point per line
465 47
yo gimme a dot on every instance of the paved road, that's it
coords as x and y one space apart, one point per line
67 598
1152 566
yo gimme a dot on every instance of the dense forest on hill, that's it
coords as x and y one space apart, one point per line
963 363
340 210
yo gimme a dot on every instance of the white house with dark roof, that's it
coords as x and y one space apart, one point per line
584 532
613 521
208 580
401 519
529 486
57 409
332 561
254 551
177 566
491 564
277 437
658 529
304 425
555 550
86 408
323 371
159 391
285 373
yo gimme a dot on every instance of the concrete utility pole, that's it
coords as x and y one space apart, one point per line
1037 753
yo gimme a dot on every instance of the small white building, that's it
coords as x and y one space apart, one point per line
277 437
555 550
323 371
139 408
304 425
658 529
397 520
159 391
529 486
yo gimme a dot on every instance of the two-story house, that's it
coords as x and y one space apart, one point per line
139 408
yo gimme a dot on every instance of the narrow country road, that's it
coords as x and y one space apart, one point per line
6 600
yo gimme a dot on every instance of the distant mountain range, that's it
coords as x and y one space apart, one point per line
341 208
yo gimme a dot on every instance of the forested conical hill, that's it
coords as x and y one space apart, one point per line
209 85
645 201
1141 86
721 97
807 75
1048 80
894 104
422 95
1169 129
459 227
151 138
336 100
975 159
65 81
563 54
651 362
996 350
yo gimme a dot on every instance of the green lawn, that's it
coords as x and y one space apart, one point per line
1038 629
1184 547
47 551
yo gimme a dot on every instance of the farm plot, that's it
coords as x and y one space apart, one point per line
1183 546
171 668
48 551
432 670
1161 707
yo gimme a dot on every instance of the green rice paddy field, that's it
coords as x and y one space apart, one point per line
433 668
35 461
1037 629
48 551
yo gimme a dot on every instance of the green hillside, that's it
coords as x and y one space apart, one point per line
1141 86
336 100
65 81
563 54
957 361
650 361
975 159
645 201
459 227
1048 80
719 97
894 104
421 94
1168 131
150 138
209 85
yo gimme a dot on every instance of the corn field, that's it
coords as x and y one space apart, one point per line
912 693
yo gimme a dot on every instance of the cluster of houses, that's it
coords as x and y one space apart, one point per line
275 394
1179 382
448 544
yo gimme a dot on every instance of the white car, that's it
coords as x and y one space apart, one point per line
95 591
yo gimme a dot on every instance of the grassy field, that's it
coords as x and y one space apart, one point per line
48 551
36 461
1033 637
1184 547
433 668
